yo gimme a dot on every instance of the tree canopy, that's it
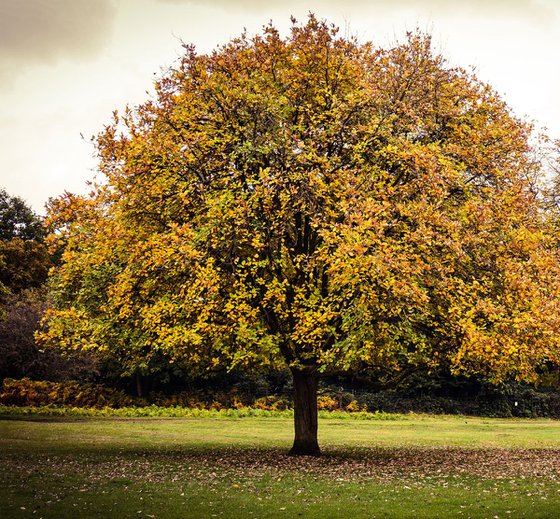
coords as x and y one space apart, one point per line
17 219
24 266
315 202
24 260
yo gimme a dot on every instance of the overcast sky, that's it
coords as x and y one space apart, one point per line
65 65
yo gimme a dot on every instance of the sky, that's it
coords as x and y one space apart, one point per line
65 65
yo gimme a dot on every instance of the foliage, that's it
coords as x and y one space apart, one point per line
325 402
24 261
317 202
31 393
526 403
272 403
17 219
154 411
20 356
522 401
23 264
27 392
151 411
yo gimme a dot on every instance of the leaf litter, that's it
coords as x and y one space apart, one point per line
272 476
357 465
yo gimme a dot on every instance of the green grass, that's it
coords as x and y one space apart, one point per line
225 466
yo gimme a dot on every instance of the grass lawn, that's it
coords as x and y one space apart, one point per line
411 466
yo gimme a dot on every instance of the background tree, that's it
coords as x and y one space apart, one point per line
17 219
22 314
24 260
314 202
24 266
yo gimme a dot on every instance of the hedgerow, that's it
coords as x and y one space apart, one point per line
26 392
95 398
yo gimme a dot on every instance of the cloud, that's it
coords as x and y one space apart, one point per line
538 11
44 31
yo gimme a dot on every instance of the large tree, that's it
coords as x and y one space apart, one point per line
314 202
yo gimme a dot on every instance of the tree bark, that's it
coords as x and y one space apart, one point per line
305 412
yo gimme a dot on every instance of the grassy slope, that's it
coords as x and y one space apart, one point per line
415 466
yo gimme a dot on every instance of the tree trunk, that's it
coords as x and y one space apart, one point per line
305 412
139 391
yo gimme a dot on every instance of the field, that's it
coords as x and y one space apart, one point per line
390 466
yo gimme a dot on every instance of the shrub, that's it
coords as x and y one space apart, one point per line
327 403
271 403
530 403
353 407
27 392
519 401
